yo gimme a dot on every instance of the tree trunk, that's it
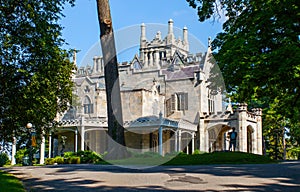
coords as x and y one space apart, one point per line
116 141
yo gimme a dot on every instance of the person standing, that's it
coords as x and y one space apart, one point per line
232 139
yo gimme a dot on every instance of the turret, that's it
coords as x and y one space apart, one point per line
185 35
185 39
143 36
170 36
170 26
143 42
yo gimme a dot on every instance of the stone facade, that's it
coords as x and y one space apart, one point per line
164 79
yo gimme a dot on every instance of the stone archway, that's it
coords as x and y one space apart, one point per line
250 139
218 137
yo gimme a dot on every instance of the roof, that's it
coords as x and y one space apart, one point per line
154 122
186 72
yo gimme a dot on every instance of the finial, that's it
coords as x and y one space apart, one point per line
74 57
209 42
154 80
229 106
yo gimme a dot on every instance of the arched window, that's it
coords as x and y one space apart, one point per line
211 102
87 105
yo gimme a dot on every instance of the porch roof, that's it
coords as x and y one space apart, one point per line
154 122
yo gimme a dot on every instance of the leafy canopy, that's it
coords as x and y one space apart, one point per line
35 72
258 52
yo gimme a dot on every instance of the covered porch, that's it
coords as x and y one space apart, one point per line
162 135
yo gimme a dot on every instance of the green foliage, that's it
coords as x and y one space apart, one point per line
198 152
34 71
219 158
4 160
293 153
49 161
20 155
197 159
10 183
59 160
258 53
72 160
69 154
89 157
76 158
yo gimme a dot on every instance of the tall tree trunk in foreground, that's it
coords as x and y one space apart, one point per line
116 141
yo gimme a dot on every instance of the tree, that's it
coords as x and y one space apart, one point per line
258 53
35 72
112 85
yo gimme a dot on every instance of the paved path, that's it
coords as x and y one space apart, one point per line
270 177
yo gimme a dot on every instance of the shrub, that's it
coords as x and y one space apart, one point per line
69 154
89 156
72 160
293 153
182 154
49 161
75 160
59 160
4 160
20 154
198 152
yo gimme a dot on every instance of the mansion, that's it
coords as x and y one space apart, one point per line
167 104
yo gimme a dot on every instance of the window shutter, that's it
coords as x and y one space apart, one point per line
181 101
168 106
186 102
173 102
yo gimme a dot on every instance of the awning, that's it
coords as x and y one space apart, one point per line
148 123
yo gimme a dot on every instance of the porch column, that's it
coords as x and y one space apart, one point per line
42 150
76 140
203 136
82 138
13 151
176 139
160 141
82 134
179 140
187 146
193 142
50 145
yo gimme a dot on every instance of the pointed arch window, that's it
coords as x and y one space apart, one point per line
177 102
211 102
87 105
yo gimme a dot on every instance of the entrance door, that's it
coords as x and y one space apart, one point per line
249 139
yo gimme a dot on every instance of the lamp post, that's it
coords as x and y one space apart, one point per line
29 126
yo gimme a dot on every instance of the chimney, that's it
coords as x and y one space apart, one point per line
170 28
185 35
143 35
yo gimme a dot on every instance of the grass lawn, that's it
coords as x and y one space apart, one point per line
197 159
10 183
219 158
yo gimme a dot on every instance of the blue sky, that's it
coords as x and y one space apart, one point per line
81 27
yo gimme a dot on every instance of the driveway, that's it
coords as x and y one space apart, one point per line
263 177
